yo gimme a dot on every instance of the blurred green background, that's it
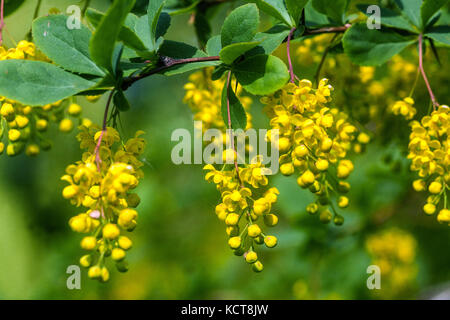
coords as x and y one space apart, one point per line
180 247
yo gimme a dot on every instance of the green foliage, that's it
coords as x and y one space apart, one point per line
240 25
371 46
411 10
235 50
295 8
38 83
238 116
334 9
277 9
126 34
11 6
153 13
429 8
120 101
390 18
105 36
270 39
214 46
440 33
180 50
64 46
261 74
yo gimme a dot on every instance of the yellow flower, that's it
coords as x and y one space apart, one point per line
405 108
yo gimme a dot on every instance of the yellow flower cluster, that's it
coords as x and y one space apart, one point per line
204 97
105 190
314 141
245 207
394 252
430 155
404 108
23 124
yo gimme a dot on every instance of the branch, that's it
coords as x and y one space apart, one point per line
99 142
167 63
327 30
2 24
170 62
424 76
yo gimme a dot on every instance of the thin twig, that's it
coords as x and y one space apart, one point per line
424 76
2 24
170 62
324 57
127 82
288 48
99 142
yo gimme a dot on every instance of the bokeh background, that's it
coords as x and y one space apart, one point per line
180 247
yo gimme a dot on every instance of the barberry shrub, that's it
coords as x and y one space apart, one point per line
42 77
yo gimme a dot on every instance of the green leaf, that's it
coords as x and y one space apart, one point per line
180 50
235 50
238 116
429 8
37 83
163 25
270 39
153 12
202 27
218 72
120 101
181 9
315 18
411 10
295 8
261 74
214 45
371 46
390 18
277 9
334 9
439 34
126 34
104 39
67 48
11 6
240 25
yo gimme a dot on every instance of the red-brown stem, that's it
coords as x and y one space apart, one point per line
327 30
231 128
127 82
2 24
288 48
98 161
424 76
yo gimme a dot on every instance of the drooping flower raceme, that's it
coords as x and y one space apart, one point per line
430 154
105 190
314 141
